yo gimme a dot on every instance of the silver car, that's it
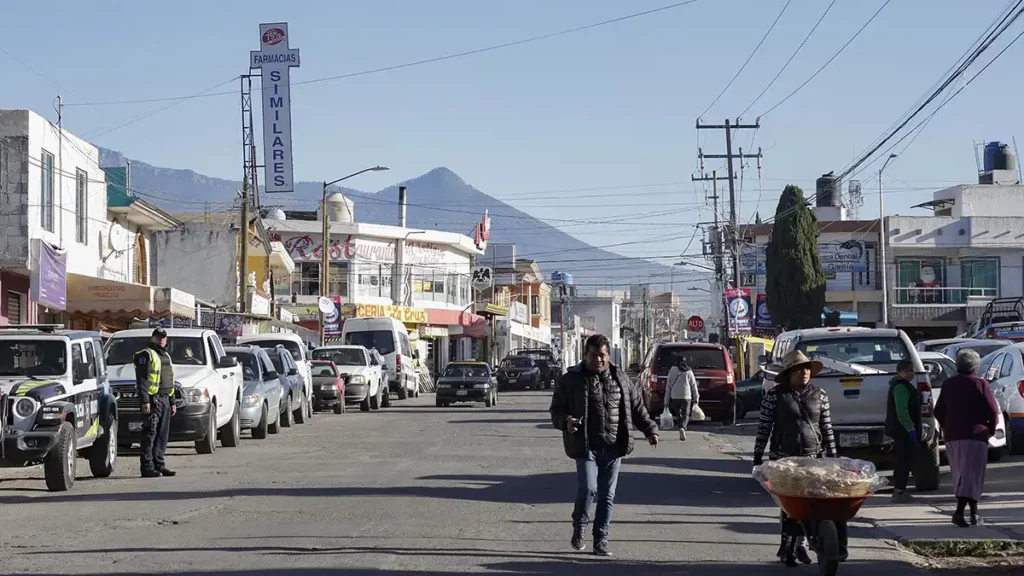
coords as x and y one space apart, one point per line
262 391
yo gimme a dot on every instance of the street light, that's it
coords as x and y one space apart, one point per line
325 246
881 243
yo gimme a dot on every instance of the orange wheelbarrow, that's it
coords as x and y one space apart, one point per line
823 522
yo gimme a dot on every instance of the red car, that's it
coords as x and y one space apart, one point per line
328 386
712 367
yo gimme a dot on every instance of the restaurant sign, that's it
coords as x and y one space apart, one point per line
405 314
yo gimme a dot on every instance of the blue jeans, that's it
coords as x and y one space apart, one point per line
596 478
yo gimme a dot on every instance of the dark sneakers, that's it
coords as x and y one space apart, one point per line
802 555
601 548
167 472
150 474
577 540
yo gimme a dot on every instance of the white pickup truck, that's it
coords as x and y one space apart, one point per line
210 379
858 364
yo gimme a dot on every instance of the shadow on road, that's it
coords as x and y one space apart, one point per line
493 422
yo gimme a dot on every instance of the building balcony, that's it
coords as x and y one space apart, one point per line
926 296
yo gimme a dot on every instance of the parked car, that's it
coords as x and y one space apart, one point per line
748 394
982 347
940 368
364 375
300 356
262 390
712 367
328 386
56 403
858 364
293 386
210 379
550 367
519 372
391 339
938 344
467 382
1004 369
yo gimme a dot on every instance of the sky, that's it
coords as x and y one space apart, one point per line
597 123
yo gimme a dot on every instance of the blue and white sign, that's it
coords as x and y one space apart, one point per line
275 59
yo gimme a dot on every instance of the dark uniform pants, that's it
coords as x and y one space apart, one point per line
155 431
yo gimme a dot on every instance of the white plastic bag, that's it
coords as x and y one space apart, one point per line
696 414
666 422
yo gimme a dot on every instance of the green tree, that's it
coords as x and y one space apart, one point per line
794 282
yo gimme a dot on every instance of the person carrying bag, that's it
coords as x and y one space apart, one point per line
681 395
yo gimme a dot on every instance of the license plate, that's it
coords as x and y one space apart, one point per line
853 440
461 392
135 426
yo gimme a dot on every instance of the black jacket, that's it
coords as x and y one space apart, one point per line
893 427
795 423
571 398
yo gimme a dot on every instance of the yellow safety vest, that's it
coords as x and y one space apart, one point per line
153 371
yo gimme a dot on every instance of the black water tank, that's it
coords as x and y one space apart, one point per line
827 190
1003 158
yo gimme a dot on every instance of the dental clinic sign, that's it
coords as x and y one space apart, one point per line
274 60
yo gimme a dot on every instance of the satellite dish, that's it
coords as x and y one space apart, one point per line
325 305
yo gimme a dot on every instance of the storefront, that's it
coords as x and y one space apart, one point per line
108 305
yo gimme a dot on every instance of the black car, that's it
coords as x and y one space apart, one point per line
550 367
467 382
519 372
748 394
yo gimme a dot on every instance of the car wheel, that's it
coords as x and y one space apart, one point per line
1014 444
286 414
926 473
260 431
489 401
339 408
730 417
438 404
741 410
416 387
61 462
375 401
300 412
103 454
403 394
208 443
385 396
364 406
275 426
231 433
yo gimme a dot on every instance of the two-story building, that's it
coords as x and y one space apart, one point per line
71 251
944 267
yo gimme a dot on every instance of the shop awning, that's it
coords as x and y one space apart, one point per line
280 260
472 325
109 300
488 309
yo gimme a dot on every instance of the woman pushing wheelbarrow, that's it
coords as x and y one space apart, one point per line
817 497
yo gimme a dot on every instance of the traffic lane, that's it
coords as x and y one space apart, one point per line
414 488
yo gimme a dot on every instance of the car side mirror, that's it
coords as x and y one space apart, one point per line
293 372
227 362
268 376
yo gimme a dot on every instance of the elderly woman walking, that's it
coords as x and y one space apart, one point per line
795 421
967 412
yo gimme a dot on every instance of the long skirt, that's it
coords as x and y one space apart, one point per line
967 462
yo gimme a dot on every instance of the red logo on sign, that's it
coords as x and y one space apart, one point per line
273 36
695 323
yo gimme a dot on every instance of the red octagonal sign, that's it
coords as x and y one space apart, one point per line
695 324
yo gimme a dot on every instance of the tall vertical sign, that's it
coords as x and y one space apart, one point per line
275 59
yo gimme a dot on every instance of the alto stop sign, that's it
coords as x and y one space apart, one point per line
695 323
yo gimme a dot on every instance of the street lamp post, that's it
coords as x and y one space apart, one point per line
325 245
882 238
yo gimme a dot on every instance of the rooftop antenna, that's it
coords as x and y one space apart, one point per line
1020 177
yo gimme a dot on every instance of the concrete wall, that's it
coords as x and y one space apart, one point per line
118 245
605 312
199 258
984 200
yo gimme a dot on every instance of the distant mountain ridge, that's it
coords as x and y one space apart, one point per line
439 199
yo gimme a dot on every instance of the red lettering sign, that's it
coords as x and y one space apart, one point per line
695 324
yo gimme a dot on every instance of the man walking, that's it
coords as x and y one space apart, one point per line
903 425
154 379
681 395
595 405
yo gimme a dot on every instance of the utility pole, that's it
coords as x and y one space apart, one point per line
59 212
325 259
716 243
243 238
561 325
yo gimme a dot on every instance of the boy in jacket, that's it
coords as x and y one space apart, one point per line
903 425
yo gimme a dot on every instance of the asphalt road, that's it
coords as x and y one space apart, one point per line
409 490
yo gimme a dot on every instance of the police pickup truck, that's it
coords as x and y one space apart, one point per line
858 364
56 403
208 385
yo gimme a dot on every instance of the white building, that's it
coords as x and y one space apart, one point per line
65 255
605 312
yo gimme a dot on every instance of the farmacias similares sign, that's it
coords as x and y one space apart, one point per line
275 59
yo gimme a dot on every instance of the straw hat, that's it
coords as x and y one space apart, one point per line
793 360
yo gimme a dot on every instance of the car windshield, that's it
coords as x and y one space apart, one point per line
697 358
184 350
341 356
33 358
982 348
517 363
938 371
275 357
324 370
863 350
382 340
291 347
466 371
248 362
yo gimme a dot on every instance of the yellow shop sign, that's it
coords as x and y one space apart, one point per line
406 314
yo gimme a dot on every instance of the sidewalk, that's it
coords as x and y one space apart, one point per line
931 518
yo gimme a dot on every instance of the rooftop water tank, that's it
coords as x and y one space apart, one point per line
276 214
340 209
561 278
999 156
828 190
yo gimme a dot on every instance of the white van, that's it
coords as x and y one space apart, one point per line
300 353
390 338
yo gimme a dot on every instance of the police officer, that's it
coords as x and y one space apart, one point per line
154 378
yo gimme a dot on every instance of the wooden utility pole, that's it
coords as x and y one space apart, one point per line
243 239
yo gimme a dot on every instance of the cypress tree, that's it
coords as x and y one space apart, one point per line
794 281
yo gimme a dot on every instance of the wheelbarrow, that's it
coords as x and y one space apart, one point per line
823 522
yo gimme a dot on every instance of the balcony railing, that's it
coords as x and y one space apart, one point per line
942 296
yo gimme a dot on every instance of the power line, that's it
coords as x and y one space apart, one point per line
791 57
825 65
747 61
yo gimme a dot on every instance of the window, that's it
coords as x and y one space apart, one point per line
868 350
341 356
700 358
13 307
249 364
1008 362
268 366
406 348
534 304
36 358
46 200
980 276
90 360
991 372
184 350
291 346
923 281
375 280
382 340
101 367
82 206
306 280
